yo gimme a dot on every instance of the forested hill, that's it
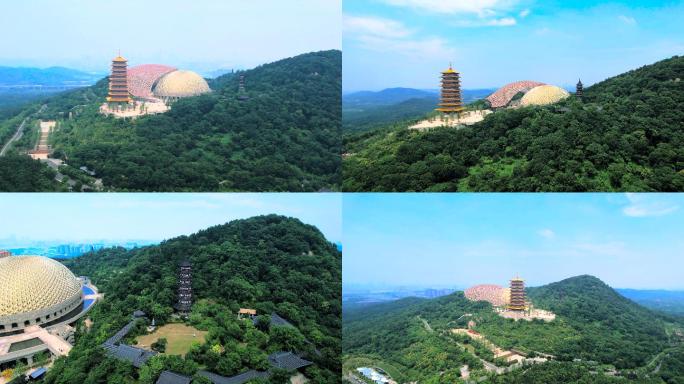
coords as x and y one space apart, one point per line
628 135
269 263
595 327
285 137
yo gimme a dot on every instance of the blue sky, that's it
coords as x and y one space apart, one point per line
158 216
391 43
201 35
458 240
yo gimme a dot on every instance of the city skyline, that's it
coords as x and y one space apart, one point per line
406 43
446 240
154 217
157 32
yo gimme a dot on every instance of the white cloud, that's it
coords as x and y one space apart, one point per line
627 20
374 26
385 35
546 233
644 205
524 13
482 8
503 22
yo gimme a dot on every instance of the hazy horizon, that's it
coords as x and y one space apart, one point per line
203 35
626 240
154 217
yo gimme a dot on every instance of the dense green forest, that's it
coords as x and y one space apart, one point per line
285 137
627 135
20 173
270 263
596 330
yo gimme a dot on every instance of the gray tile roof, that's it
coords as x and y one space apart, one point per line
238 379
168 377
287 360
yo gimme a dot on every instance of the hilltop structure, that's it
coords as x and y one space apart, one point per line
517 300
118 82
579 90
184 303
242 94
148 88
40 300
450 97
510 302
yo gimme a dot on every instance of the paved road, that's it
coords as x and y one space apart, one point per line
19 133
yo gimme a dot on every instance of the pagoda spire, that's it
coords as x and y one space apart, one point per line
579 92
450 96
118 81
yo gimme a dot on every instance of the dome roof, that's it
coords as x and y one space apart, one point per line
181 84
141 78
31 283
543 95
503 95
495 294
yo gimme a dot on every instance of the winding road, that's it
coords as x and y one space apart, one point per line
19 133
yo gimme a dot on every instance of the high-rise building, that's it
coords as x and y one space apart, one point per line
450 100
184 287
517 300
118 82
579 93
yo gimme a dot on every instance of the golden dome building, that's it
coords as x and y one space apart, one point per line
40 299
35 290
178 84
544 95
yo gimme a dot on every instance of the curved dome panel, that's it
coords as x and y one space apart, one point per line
503 95
141 78
494 294
33 283
181 84
543 95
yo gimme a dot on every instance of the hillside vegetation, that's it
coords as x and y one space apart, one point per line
286 137
628 135
596 330
269 263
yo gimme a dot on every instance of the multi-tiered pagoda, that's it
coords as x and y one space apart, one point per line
517 301
450 100
242 94
118 82
184 288
579 92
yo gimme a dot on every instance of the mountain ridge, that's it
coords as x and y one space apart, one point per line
593 323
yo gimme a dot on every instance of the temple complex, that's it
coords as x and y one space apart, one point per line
450 99
148 88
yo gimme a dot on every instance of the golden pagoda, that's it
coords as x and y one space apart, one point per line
118 82
450 100
517 300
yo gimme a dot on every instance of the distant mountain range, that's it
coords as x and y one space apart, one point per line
662 300
46 77
363 110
